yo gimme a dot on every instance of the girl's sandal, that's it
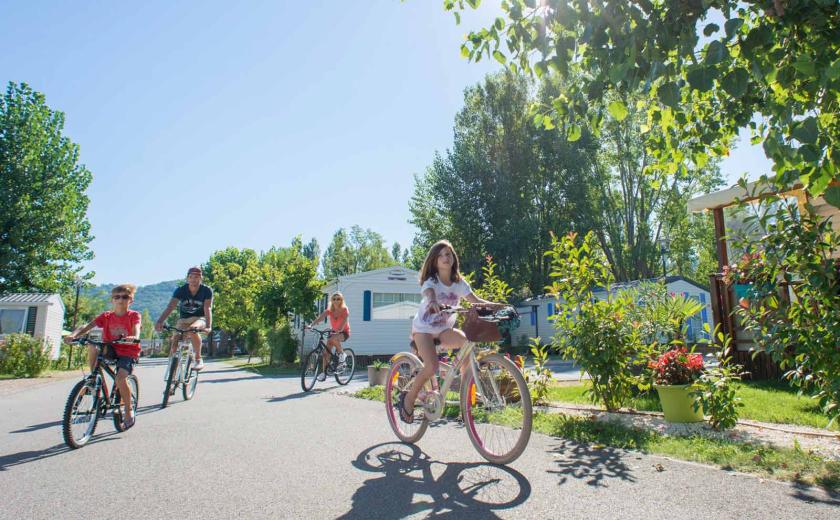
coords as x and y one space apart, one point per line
404 415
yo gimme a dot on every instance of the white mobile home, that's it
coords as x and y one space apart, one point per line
382 304
535 313
38 314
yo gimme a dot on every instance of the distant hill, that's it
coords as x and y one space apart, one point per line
150 297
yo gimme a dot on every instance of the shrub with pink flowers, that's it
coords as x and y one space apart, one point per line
677 367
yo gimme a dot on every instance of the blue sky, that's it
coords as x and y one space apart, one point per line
209 124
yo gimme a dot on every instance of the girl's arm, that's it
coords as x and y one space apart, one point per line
434 306
318 319
472 298
81 331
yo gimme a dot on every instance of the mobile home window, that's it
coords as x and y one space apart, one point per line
395 306
12 321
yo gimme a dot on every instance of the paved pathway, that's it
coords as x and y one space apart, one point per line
254 447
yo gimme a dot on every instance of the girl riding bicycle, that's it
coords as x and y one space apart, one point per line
441 283
339 316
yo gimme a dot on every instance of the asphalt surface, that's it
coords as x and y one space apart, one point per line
250 446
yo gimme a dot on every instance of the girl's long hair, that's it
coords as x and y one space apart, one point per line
332 303
429 269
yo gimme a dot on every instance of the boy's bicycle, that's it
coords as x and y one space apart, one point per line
494 398
312 363
179 371
91 399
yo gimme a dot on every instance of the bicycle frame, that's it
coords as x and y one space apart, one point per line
184 351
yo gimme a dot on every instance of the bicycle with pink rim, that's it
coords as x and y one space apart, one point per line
494 400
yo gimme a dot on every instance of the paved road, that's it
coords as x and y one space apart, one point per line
249 446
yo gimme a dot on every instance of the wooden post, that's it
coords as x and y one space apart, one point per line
720 238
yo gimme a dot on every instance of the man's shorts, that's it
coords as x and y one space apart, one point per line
125 362
193 321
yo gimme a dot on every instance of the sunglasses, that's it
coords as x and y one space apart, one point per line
336 299
120 297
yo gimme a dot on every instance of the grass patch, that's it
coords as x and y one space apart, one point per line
766 401
788 464
263 368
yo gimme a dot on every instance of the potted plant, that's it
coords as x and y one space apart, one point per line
739 276
674 375
377 372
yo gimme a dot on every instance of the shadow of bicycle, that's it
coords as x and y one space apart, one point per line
412 483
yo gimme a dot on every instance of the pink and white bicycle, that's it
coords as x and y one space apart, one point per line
495 403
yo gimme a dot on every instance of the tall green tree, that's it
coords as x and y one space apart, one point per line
772 68
44 230
354 252
235 276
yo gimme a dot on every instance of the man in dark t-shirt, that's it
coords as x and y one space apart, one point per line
195 304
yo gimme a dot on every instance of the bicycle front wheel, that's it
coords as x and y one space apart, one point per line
135 398
170 381
344 373
497 409
310 370
80 414
400 378
190 380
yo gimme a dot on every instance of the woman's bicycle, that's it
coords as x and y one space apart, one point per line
312 364
494 399
92 399
179 371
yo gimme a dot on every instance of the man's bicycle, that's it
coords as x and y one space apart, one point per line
494 398
92 398
312 364
179 371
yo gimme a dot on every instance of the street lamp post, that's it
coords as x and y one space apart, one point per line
78 283
663 250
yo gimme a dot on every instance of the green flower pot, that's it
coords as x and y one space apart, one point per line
677 404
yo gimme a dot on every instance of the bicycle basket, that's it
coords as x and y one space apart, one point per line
480 331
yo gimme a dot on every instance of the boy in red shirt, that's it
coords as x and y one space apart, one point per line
118 324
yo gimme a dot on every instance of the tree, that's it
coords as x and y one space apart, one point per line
773 68
396 252
147 325
360 250
92 303
44 231
235 276
312 251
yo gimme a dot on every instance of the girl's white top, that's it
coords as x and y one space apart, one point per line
444 295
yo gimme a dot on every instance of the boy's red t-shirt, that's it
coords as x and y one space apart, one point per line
113 327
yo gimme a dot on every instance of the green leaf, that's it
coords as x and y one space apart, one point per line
732 25
540 68
804 65
618 110
499 57
716 52
702 78
574 133
669 94
548 124
735 83
711 29
806 131
832 196
833 71
500 23
457 17
465 51
618 72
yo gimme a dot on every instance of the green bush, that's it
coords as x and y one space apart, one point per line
595 329
79 359
24 356
283 344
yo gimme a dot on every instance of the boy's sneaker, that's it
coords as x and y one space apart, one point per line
342 357
322 376
199 365
128 422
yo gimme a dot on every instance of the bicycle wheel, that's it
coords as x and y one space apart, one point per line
345 374
170 381
310 370
80 414
400 378
190 381
135 398
497 409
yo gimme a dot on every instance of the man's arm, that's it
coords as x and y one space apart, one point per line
173 302
208 312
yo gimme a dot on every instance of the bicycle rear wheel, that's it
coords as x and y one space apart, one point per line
135 398
400 378
343 376
170 380
497 409
310 370
191 381
81 414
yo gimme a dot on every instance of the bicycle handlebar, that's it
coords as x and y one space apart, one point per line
191 329
87 341
322 332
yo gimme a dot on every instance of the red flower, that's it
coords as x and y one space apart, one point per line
677 367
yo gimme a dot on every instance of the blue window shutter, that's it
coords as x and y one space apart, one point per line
534 315
366 312
550 308
704 315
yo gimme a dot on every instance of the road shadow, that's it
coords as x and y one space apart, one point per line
812 495
586 462
453 490
25 457
36 427
298 395
229 379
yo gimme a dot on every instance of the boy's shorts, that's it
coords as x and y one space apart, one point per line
193 321
125 362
